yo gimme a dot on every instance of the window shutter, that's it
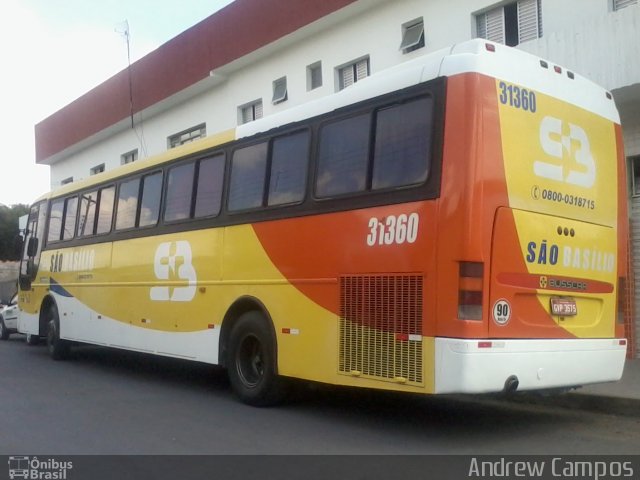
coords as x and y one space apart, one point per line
491 25
528 20
413 37
247 114
618 4
362 69
258 110
279 90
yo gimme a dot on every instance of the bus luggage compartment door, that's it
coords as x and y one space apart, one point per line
551 277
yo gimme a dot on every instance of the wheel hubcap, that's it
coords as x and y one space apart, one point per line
250 361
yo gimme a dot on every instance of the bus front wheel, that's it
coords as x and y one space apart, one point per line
252 362
58 348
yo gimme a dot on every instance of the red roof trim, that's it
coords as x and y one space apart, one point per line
178 64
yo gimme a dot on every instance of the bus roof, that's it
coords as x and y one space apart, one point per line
478 55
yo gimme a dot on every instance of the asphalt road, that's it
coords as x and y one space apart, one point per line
111 402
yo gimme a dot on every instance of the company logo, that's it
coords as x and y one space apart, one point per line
38 469
587 259
567 284
569 146
543 282
173 262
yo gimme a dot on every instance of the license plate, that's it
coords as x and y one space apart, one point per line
564 307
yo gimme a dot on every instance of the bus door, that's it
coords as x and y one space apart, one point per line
29 265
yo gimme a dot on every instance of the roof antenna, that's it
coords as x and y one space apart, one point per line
123 29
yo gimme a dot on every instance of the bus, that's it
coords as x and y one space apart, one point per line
454 224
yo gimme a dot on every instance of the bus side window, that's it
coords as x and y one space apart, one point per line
209 186
127 204
88 203
289 161
105 209
248 170
343 157
55 220
151 195
179 192
70 216
403 144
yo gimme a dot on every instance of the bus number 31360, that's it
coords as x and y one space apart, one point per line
393 230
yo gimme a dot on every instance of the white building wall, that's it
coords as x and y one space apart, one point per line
584 35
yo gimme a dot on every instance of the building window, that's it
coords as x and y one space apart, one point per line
314 76
618 4
187 136
67 181
129 157
97 169
634 165
352 73
511 24
412 36
279 90
250 112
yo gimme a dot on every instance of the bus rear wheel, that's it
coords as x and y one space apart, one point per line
252 362
58 349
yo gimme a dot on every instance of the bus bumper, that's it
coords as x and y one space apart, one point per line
481 366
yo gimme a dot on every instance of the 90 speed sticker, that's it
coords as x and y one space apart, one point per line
501 312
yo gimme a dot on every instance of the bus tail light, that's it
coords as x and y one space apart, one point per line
470 291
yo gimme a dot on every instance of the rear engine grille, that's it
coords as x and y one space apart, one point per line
381 327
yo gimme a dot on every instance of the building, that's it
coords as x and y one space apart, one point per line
254 58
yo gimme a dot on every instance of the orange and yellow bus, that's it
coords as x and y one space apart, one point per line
453 224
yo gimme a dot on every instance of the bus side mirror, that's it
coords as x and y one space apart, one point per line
32 247
18 243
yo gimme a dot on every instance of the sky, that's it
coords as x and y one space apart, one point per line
54 51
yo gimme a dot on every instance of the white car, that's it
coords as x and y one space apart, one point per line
9 318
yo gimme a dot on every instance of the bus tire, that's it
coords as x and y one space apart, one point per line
58 349
252 362
4 333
